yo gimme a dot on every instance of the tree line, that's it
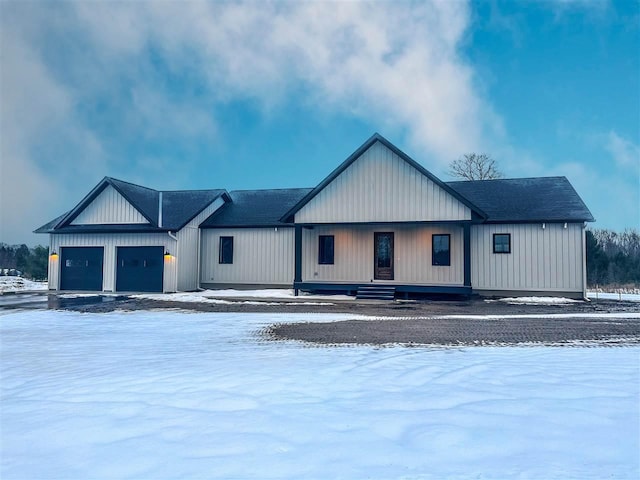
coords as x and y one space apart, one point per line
613 258
32 262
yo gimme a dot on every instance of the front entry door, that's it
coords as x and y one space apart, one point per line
383 253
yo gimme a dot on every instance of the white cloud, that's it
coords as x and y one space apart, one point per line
36 112
625 153
394 64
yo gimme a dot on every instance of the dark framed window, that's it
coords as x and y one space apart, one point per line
441 249
501 243
325 249
225 254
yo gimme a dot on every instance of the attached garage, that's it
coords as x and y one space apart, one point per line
139 269
81 268
127 238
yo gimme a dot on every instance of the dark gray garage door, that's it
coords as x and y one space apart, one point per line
81 268
139 269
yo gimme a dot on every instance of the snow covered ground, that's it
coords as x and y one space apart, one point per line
182 395
284 293
535 300
17 284
629 297
262 297
231 296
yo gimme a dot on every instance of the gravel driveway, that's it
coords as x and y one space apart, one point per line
438 331
417 322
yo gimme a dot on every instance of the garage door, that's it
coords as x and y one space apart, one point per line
139 269
81 268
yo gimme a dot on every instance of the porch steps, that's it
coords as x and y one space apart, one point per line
375 292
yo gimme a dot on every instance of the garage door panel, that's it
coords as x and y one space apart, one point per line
139 269
81 268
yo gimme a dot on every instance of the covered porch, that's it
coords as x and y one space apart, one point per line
411 257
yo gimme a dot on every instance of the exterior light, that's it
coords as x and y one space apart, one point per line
54 255
167 255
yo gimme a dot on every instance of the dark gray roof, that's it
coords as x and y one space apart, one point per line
178 208
541 199
143 198
256 208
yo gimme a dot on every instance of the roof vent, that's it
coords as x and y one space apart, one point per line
160 210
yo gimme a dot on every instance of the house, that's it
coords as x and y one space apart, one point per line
379 220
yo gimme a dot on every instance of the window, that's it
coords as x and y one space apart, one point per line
325 249
501 243
226 250
441 250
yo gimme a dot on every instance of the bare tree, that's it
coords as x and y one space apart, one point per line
475 166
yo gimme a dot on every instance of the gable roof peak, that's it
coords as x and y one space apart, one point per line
376 137
116 181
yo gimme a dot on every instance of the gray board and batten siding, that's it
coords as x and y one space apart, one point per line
380 186
261 256
108 208
263 245
543 259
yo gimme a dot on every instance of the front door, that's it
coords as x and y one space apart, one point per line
383 253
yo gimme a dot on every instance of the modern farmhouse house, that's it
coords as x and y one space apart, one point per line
378 221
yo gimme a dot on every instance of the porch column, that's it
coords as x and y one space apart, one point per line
467 254
298 257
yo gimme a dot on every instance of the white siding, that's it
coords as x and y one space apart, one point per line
260 256
354 255
188 252
548 259
109 207
381 187
110 241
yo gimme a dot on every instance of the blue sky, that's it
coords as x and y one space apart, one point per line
180 95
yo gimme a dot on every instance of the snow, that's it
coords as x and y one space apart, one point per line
162 394
17 284
230 296
536 300
629 297
273 293
269 293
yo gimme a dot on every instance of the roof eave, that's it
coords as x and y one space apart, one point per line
106 229
248 225
540 220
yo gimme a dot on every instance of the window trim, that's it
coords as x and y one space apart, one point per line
321 250
508 251
433 249
221 257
